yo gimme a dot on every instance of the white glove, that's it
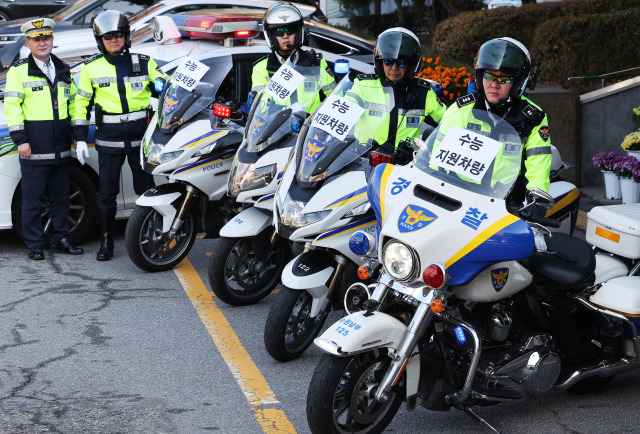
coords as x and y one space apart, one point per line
82 151
541 244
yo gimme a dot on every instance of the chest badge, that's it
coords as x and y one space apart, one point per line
413 121
137 86
414 218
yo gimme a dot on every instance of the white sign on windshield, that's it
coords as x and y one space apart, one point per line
466 153
189 73
337 116
283 83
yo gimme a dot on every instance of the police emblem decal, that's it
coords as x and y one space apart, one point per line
499 278
170 104
414 218
313 150
257 125
544 133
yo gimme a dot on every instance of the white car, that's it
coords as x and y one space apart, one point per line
82 39
84 179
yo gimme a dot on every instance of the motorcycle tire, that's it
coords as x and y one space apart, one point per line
236 274
339 398
289 330
146 247
83 208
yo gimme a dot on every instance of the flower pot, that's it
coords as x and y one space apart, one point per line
630 190
634 154
611 184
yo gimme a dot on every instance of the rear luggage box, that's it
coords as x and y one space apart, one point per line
616 229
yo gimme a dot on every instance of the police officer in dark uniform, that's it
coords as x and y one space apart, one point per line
38 105
397 59
121 84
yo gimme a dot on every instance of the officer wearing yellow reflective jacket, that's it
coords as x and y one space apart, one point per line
284 33
38 104
502 69
396 61
120 84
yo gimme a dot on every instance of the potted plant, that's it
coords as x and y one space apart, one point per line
628 170
635 117
631 144
605 162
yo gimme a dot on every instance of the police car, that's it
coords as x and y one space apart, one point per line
170 47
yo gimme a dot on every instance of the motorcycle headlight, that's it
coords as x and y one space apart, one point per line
399 260
291 214
156 157
245 177
359 210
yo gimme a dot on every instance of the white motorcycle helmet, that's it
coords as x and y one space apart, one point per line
283 17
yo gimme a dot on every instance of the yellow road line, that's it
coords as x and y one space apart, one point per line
246 373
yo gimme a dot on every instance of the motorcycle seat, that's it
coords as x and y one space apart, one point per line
568 261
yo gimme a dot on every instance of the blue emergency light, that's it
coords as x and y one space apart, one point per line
159 84
341 66
460 335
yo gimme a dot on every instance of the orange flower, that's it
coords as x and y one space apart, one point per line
451 96
437 61
429 60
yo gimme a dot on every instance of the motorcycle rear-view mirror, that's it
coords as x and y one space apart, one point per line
540 198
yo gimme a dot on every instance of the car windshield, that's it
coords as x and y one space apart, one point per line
143 13
180 104
65 12
349 123
270 120
475 150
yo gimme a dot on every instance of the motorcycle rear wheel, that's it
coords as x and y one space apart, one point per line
339 398
146 246
238 276
289 330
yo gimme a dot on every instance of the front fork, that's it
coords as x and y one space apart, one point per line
179 219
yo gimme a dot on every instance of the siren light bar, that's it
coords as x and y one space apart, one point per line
212 27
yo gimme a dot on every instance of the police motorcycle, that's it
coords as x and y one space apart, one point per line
481 317
246 265
191 140
321 200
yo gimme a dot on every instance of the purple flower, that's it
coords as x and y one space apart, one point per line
626 166
607 160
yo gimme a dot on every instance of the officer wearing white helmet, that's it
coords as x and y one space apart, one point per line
121 84
397 59
284 32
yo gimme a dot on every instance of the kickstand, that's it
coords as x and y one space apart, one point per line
477 417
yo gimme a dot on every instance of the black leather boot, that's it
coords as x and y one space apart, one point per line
107 225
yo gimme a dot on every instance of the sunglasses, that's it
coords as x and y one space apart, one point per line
501 80
401 62
109 36
280 31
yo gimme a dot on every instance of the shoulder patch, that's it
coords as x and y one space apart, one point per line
533 113
367 77
20 62
544 133
466 100
260 60
92 58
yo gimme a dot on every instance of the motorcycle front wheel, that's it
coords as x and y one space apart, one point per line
290 329
148 248
340 397
241 273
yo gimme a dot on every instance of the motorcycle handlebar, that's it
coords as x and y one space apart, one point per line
545 221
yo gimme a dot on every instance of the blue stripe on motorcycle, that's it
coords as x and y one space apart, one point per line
203 138
266 198
201 163
348 228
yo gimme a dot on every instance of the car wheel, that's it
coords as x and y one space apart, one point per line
4 17
83 208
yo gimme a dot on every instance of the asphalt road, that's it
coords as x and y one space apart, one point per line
89 347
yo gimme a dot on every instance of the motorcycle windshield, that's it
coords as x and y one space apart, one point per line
345 127
180 104
293 90
474 149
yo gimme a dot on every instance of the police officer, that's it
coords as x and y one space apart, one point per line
502 69
121 84
283 31
38 105
397 59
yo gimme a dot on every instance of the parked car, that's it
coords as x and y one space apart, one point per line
84 179
13 10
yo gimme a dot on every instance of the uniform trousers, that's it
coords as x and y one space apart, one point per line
38 180
110 167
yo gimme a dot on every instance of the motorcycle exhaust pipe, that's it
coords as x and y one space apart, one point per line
605 369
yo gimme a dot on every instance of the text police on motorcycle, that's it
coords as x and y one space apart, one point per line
284 33
121 84
38 105
502 69
396 61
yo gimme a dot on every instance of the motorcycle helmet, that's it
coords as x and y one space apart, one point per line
111 21
282 15
397 43
506 55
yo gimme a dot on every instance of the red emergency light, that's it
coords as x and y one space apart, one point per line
215 27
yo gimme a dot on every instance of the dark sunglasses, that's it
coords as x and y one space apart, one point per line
280 31
109 36
401 62
501 80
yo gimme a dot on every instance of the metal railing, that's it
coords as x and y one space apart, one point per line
603 77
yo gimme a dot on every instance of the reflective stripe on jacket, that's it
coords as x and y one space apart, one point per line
40 112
